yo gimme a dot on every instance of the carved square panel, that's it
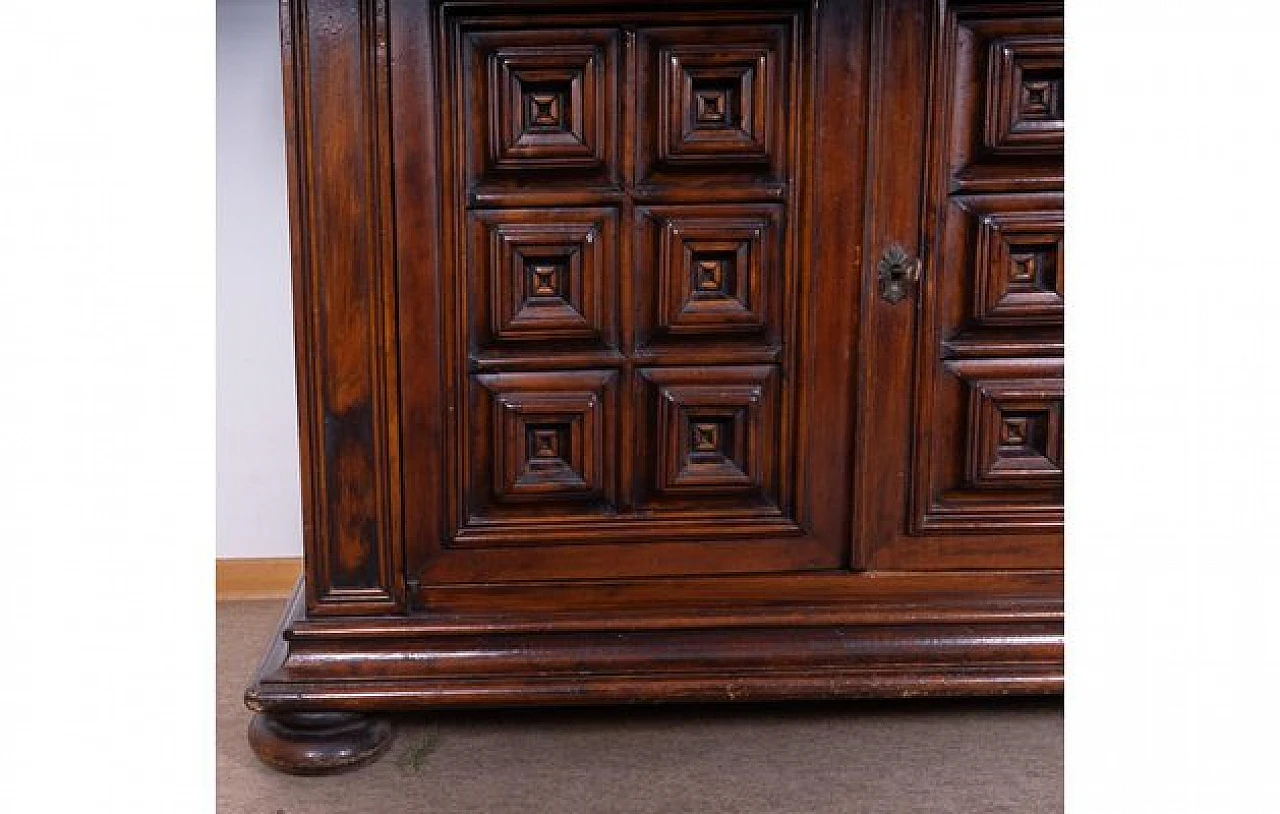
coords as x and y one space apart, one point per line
717 100
542 275
1018 268
541 117
1025 94
708 271
716 104
988 454
541 100
548 436
711 431
1015 432
712 279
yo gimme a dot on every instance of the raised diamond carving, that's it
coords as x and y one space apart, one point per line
1018 268
1040 98
712 430
539 275
1015 432
545 276
541 102
713 277
716 106
1025 268
548 434
541 119
706 436
717 270
545 442
711 273
993 451
1024 111
543 110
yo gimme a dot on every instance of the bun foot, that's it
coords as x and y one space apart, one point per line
318 742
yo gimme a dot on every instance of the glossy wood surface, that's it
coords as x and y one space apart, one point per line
314 743
600 397
619 228
981 355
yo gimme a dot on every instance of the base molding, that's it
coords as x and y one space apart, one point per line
408 663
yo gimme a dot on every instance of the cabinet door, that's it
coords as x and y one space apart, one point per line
624 346
961 421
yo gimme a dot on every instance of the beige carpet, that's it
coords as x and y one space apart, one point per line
876 757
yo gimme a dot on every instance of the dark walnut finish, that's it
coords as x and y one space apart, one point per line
318 742
669 352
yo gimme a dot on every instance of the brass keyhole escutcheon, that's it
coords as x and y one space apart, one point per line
898 272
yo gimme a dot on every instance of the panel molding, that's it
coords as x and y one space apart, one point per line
542 103
998 74
718 110
1019 267
712 433
549 112
546 434
1015 433
715 104
708 274
1025 95
543 275
977 485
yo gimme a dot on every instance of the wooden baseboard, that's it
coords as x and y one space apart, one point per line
266 578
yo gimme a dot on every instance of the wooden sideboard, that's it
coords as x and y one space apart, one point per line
667 352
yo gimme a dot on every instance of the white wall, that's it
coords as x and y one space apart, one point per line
258 503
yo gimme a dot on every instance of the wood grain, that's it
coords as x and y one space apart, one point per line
257 578
601 396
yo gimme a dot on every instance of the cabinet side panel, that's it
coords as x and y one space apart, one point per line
334 63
